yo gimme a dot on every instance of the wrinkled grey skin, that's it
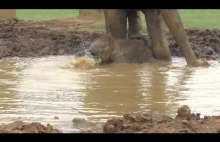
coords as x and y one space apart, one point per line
80 53
110 50
116 23
156 19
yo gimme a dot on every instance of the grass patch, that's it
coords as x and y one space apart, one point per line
203 19
94 26
46 14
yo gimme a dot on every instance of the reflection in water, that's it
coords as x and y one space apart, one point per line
203 91
38 89
47 89
162 85
157 95
113 93
8 77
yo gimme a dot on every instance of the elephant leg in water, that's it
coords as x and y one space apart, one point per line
116 23
157 32
134 23
175 25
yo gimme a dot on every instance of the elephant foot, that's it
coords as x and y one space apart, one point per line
161 52
157 34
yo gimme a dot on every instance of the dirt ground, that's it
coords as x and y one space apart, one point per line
184 122
33 39
58 37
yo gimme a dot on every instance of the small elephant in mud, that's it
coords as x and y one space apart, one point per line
156 19
134 25
110 50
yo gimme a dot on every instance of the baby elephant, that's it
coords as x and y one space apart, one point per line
110 50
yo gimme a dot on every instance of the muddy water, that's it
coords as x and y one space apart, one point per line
40 89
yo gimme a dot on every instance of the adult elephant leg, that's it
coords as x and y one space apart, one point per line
134 23
116 21
157 32
175 25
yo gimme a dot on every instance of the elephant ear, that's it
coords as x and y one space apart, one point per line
115 48
111 40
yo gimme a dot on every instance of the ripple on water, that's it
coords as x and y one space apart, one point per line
38 89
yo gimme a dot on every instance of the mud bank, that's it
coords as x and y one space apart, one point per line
205 43
22 127
184 122
33 39
58 37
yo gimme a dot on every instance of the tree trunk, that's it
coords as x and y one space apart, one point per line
91 13
175 25
7 14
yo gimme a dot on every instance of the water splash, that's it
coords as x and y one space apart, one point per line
89 55
85 62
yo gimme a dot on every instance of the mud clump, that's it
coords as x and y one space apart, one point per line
64 36
79 120
22 127
184 122
183 112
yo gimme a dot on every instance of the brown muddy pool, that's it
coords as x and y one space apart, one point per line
49 90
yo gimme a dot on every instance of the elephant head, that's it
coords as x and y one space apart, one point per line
106 49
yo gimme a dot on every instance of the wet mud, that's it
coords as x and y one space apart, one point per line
34 39
58 37
184 122
205 43
23 127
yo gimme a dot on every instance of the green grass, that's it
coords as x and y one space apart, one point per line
46 14
203 19
95 26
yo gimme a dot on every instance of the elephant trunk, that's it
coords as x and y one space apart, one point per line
175 25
